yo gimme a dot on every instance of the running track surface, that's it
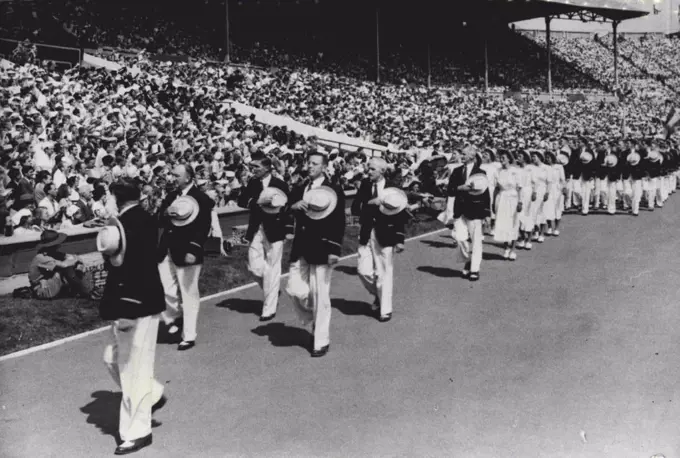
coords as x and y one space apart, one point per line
571 351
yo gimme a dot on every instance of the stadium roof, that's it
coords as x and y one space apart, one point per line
586 10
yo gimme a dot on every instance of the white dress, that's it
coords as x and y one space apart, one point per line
492 175
527 187
539 180
507 218
558 187
552 180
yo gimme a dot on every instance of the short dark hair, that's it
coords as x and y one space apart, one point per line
125 190
315 152
261 158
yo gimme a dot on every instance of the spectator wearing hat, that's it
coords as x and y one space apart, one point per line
52 272
133 300
185 217
319 210
380 236
83 203
268 226
470 208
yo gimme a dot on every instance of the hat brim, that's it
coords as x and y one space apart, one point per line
318 215
185 222
402 204
270 192
61 238
117 259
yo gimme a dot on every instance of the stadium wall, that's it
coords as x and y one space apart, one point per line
666 20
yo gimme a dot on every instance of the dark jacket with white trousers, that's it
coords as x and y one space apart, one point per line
466 204
389 230
275 226
180 241
315 240
134 289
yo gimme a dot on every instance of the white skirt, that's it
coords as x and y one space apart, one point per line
507 218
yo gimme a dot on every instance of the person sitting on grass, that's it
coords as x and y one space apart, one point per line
53 273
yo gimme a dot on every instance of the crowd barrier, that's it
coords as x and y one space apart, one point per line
16 252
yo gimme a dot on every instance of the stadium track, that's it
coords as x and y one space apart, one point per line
571 351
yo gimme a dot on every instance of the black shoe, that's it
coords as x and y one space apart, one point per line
375 307
320 353
160 404
133 446
474 276
267 318
385 318
186 345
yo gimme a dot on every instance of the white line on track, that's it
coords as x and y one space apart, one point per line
211 297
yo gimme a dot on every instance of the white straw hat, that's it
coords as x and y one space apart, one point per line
183 211
278 200
321 202
393 201
111 242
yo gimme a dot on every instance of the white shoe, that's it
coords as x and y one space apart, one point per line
549 231
173 329
513 255
528 246
506 255
556 232
540 239
534 237
521 244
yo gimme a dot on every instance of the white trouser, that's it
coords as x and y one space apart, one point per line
653 193
471 251
586 187
611 196
309 287
264 261
570 192
376 271
129 357
637 196
600 188
181 295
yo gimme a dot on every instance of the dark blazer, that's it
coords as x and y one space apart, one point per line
276 225
389 230
316 240
134 289
467 205
179 241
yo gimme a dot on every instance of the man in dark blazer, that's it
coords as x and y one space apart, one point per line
379 237
316 249
133 299
180 256
266 232
469 210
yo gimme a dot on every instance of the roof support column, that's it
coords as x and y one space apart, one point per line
377 44
429 66
227 38
615 26
549 48
486 62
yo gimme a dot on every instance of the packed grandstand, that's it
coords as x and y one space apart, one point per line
66 133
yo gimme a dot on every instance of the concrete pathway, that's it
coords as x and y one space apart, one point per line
571 351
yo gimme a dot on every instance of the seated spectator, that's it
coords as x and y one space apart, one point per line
53 273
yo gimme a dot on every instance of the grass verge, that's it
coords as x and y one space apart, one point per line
26 323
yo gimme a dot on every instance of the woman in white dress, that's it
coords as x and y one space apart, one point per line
541 194
549 207
557 192
507 205
526 223
491 167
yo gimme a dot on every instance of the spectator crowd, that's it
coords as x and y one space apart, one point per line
66 136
